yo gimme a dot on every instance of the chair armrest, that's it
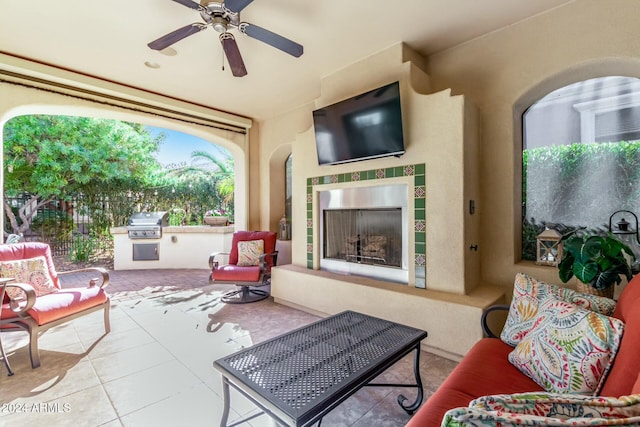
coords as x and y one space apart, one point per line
94 281
483 321
20 307
212 259
263 260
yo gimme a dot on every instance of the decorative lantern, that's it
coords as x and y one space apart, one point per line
549 247
285 229
626 232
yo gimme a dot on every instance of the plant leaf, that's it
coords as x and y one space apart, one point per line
585 271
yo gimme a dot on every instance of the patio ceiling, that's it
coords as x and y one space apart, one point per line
109 40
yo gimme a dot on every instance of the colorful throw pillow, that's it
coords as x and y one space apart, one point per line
472 417
529 293
570 349
561 405
249 252
32 271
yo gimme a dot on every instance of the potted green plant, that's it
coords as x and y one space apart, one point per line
598 262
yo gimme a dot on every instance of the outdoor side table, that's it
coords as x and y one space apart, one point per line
299 377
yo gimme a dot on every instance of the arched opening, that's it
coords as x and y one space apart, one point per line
19 100
580 157
278 185
70 179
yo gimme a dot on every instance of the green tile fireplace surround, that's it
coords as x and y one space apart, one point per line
417 171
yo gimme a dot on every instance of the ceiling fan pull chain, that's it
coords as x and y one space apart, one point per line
222 53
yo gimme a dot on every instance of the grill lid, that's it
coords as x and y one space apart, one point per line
149 219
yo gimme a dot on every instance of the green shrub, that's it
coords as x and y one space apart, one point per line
577 186
82 248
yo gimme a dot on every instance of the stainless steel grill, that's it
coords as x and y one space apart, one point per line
147 225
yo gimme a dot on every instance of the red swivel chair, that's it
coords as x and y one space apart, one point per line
247 266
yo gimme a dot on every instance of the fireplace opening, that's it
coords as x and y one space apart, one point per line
364 231
365 236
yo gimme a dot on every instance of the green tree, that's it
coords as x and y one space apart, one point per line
221 166
50 157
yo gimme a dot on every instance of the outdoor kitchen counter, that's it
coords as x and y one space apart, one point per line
178 247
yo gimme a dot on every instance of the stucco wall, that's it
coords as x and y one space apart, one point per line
440 170
502 73
277 137
434 130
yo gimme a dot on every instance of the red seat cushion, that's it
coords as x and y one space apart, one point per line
230 273
483 371
65 302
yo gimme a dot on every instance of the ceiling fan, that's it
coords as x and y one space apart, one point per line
222 16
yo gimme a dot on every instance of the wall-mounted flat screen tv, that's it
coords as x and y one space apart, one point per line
366 126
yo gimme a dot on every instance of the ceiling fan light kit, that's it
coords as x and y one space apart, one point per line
223 16
219 24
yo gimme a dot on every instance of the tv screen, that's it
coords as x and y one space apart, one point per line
364 127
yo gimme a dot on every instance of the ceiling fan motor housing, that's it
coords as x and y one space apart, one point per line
218 15
222 19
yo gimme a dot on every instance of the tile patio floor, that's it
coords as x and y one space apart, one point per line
155 367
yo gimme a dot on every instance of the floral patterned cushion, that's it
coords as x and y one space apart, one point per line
249 252
570 349
32 271
529 293
546 409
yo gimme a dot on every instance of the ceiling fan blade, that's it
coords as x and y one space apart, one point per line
232 53
175 36
236 5
273 39
190 4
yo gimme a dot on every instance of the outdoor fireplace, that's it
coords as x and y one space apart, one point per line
364 231
370 236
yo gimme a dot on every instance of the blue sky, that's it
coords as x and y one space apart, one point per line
177 147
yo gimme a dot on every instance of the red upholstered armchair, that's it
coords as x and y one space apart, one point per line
41 304
249 263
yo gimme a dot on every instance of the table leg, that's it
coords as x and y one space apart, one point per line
226 397
410 409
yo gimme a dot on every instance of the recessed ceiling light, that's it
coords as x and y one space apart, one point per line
151 64
168 51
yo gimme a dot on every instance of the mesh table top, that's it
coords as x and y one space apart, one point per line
304 371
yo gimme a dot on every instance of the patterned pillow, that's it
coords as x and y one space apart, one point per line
472 417
570 350
561 405
529 293
33 271
249 252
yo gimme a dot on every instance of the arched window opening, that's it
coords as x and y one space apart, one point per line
288 171
288 190
580 157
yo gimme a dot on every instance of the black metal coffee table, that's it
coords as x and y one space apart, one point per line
299 377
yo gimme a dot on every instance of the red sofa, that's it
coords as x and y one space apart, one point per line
485 369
